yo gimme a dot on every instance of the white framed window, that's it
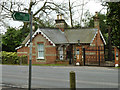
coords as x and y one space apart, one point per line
41 51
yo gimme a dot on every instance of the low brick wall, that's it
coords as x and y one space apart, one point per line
61 62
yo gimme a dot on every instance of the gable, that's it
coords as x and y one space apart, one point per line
40 32
100 38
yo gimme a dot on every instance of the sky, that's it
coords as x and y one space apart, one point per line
92 6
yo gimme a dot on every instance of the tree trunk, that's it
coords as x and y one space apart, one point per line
70 14
109 45
81 13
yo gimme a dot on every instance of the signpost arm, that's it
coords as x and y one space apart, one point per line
30 58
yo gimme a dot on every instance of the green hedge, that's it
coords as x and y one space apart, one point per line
12 58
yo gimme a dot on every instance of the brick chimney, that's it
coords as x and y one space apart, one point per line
96 20
60 23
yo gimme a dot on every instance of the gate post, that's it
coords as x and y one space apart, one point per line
99 54
72 81
84 56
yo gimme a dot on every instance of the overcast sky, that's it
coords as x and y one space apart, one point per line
92 6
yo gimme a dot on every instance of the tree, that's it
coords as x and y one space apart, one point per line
89 22
70 10
76 7
11 39
41 15
113 20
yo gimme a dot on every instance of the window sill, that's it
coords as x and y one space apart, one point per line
40 58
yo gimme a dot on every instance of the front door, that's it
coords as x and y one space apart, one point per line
79 54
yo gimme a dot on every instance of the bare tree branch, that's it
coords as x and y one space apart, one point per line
40 9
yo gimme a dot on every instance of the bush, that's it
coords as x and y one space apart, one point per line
23 59
12 58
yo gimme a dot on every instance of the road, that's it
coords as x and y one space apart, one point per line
58 76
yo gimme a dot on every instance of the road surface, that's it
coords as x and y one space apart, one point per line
58 76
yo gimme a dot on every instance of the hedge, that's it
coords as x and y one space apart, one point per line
12 58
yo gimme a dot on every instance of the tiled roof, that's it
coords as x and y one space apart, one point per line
56 36
84 35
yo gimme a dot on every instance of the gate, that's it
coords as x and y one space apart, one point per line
96 56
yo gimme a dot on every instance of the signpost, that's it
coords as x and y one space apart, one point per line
26 17
20 16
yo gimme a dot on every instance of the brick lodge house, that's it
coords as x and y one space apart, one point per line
62 45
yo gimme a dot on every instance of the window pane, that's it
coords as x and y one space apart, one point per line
41 47
40 50
40 54
38 47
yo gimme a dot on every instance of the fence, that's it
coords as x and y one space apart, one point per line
98 56
95 56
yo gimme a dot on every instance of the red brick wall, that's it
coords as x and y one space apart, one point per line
96 42
49 51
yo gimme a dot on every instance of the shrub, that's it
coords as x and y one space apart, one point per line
23 59
12 58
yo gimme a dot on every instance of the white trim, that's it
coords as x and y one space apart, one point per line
102 37
37 32
18 47
60 47
93 37
40 58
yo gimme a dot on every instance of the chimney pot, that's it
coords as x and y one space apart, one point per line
57 17
96 20
60 16
96 14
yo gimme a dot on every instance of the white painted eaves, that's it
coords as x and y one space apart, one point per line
100 35
38 32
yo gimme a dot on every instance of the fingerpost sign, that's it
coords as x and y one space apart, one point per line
26 17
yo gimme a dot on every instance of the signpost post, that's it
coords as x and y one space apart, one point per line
30 58
26 17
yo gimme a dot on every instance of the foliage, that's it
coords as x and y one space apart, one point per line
43 11
113 20
89 23
11 39
23 59
9 58
12 58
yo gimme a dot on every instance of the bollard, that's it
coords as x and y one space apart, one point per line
72 81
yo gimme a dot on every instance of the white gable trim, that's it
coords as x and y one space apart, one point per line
94 37
100 35
18 47
37 32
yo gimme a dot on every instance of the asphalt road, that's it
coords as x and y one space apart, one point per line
58 76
